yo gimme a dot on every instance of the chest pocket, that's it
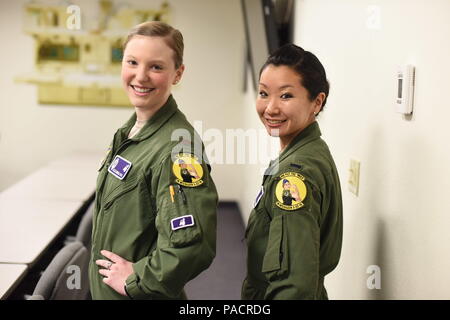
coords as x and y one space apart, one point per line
259 211
120 190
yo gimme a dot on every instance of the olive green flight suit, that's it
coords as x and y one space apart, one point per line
133 217
290 250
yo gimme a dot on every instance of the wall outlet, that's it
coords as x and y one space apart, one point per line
353 178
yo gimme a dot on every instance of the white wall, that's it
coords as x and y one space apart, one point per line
32 135
400 219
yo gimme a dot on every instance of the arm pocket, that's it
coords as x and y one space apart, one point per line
275 262
182 218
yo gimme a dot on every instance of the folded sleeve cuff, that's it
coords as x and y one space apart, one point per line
133 289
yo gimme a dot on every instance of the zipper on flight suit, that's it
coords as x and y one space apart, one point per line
100 214
183 196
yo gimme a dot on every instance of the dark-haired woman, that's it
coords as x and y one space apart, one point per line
293 245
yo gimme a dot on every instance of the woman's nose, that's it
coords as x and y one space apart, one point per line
141 75
272 108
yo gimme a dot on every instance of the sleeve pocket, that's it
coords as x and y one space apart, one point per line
183 219
275 259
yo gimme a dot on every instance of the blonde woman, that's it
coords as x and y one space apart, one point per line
151 235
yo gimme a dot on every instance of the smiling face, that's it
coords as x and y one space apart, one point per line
283 104
148 72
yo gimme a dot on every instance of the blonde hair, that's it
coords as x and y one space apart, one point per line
172 37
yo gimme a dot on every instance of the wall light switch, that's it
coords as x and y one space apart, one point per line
353 178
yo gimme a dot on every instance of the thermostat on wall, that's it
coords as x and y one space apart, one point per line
405 89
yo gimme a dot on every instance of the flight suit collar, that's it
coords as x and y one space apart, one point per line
154 123
310 133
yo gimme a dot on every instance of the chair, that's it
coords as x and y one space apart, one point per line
66 277
84 229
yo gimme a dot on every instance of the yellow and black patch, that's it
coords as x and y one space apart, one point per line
187 170
290 191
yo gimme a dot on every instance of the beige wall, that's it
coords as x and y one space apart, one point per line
400 219
32 135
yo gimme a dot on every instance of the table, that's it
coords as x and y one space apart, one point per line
90 160
10 275
35 210
70 178
28 226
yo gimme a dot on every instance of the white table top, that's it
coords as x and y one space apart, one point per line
70 178
90 160
28 226
9 274
36 209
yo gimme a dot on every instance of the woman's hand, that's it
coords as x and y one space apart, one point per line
295 193
116 271
192 171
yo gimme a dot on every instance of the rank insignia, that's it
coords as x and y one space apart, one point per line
290 191
187 170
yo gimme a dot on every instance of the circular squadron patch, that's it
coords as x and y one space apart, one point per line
187 170
290 191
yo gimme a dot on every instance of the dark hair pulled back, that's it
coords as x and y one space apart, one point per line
306 64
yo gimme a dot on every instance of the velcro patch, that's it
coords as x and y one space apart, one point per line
119 167
258 197
182 222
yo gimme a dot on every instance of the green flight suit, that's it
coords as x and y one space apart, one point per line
292 247
134 217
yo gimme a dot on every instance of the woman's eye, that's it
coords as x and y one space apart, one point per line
132 62
262 94
286 96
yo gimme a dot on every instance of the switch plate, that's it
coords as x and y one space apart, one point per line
353 178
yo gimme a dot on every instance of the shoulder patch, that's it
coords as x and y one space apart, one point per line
290 191
187 170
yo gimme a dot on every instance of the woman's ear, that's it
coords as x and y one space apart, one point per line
179 74
318 101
